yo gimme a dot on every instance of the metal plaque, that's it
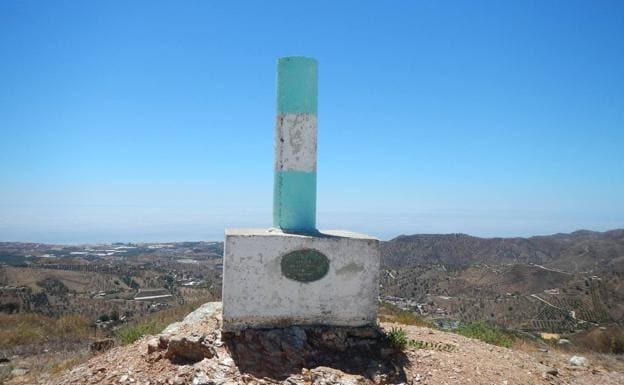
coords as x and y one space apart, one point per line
305 265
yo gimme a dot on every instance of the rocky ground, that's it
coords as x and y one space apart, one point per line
196 352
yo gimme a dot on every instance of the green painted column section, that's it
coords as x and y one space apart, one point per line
294 201
297 85
294 193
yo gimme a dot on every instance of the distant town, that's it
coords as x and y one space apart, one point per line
123 280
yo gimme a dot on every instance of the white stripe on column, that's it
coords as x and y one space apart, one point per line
296 142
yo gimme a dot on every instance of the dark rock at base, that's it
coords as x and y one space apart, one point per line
102 345
277 353
189 349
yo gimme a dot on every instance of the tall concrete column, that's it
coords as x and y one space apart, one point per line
295 274
294 192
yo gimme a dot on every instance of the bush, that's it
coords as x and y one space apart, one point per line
486 333
397 338
617 344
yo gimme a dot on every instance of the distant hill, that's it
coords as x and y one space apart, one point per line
580 251
553 283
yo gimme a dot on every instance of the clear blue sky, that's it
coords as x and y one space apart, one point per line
150 120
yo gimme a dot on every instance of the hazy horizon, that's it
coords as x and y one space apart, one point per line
202 226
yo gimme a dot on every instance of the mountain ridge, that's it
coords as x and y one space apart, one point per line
581 250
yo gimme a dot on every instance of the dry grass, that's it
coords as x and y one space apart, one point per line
60 363
41 367
602 340
44 344
528 346
154 323
30 329
65 339
391 313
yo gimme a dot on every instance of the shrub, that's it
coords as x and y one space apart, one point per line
486 333
617 344
397 338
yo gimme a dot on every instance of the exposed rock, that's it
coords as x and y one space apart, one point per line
201 378
192 348
278 352
154 345
548 371
578 361
199 315
195 351
102 345
18 372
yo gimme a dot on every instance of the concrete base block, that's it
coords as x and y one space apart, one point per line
274 279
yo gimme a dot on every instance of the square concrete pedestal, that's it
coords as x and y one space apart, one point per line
274 279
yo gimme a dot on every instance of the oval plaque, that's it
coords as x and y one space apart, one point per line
305 265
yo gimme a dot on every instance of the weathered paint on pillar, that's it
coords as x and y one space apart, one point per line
294 193
296 275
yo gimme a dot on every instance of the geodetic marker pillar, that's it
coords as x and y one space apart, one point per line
293 274
294 191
